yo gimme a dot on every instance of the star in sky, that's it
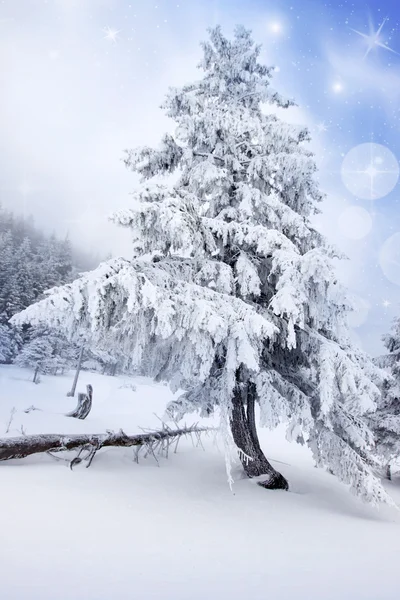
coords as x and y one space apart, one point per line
370 171
373 39
111 34
321 127
386 303
337 87
275 27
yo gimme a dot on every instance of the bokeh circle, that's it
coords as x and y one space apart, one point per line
359 315
389 258
355 222
370 171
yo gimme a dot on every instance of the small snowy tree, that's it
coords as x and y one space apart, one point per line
47 351
37 354
9 339
231 294
385 422
101 360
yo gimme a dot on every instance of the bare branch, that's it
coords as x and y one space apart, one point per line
22 446
12 413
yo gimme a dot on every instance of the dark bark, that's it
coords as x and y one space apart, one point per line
84 405
244 432
35 374
20 447
78 370
388 472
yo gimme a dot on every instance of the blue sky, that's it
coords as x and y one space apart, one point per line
83 79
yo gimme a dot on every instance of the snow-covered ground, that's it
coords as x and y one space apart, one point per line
122 530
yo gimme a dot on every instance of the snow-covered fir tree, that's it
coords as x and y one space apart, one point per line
47 351
10 341
30 263
20 289
100 360
231 294
385 421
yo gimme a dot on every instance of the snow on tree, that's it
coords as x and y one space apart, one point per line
55 261
36 354
100 360
385 421
30 263
231 294
7 271
9 343
47 351
20 285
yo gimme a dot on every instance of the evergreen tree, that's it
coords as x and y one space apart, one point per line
231 294
47 351
20 289
385 422
65 265
100 360
7 271
9 340
30 264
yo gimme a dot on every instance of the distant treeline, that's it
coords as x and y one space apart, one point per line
32 262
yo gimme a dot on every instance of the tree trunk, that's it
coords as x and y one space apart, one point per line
20 447
388 472
35 374
78 370
84 404
244 432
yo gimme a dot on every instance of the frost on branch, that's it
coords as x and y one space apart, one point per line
139 307
328 448
385 422
89 444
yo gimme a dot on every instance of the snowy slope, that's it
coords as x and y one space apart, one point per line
121 530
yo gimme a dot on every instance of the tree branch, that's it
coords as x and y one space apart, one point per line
20 447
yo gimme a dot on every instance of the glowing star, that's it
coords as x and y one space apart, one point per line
275 27
370 171
111 34
337 87
373 39
386 303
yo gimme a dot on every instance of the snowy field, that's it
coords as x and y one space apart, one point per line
122 530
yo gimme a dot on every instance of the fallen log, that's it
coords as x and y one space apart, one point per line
84 405
154 441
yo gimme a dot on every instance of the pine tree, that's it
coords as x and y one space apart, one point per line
9 340
65 259
37 354
47 351
7 272
385 422
21 284
231 294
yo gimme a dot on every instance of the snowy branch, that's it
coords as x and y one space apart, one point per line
20 447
